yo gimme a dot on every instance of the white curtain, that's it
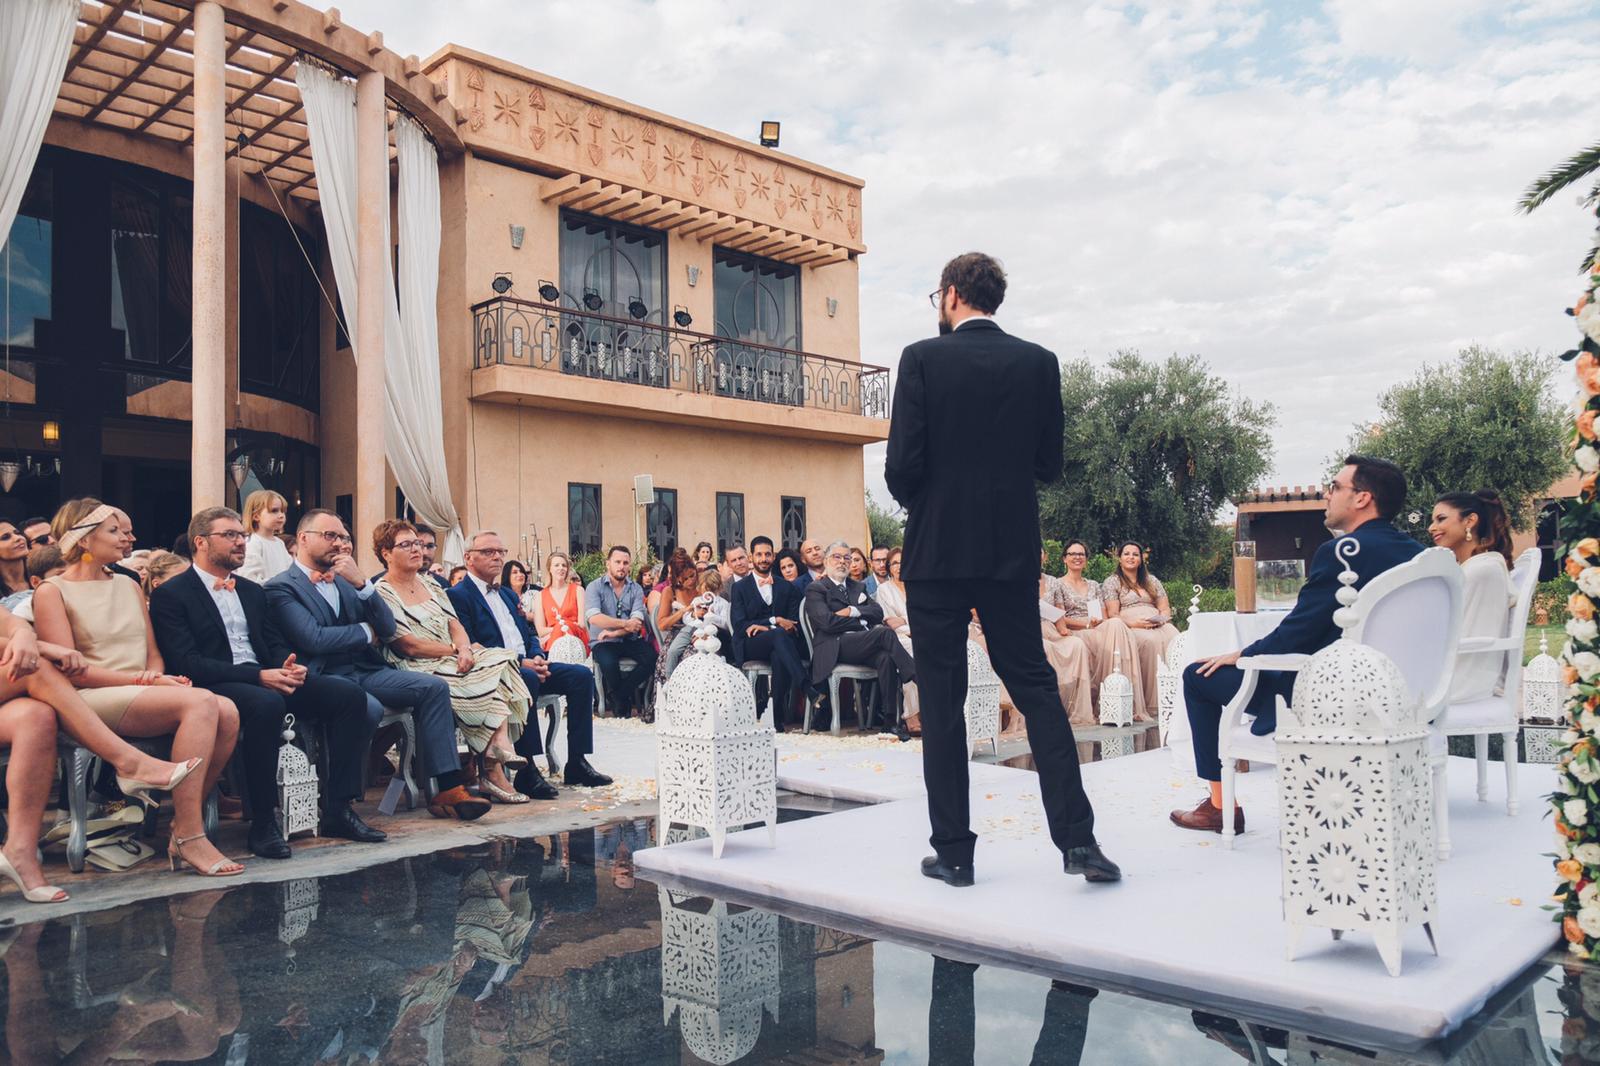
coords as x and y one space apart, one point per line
35 40
413 421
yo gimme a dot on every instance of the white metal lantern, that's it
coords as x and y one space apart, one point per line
1541 707
297 786
301 899
1355 799
1169 678
1116 695
567 649
983 698
719 971
717 764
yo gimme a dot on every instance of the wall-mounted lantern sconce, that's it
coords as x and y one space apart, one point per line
694 274
517 233
833 307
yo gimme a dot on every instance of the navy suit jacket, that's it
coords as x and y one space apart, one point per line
1309 627
324 643
472 610
747 608
192 638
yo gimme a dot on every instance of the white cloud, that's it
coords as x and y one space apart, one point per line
1317 204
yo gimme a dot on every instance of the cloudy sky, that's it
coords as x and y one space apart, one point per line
1318 198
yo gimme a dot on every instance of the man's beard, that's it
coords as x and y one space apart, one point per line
762 570
944 323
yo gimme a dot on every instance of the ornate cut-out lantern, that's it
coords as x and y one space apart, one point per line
1116 696
301 897
297 786
983 699
719 971
717 764
1169 679
567 648
1541 707
1355 802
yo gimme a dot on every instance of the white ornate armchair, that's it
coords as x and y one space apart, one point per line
1411 613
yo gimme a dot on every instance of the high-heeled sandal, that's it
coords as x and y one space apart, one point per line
139 791
176 858
42 894
504 757
500 794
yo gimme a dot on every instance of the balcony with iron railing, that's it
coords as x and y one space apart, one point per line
541 354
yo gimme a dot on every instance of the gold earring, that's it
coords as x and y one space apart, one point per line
86 558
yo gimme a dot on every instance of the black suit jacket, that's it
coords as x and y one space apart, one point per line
747 608
823 598
192 639
976 421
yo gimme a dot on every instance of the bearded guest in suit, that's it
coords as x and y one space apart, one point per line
847 627
976 419
492 616
215 629
332 617
765 618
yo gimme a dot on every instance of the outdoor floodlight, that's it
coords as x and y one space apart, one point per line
769 134
548 292
501 284
637 309
593 300
681 316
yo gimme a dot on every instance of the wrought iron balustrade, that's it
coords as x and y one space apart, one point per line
513 332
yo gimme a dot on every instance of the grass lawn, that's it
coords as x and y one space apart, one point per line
1557 636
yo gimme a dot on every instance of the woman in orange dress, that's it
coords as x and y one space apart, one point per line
560 604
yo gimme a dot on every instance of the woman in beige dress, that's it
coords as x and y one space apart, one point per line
1086 619
1133 595
104 618
891 596
1068 656
490 700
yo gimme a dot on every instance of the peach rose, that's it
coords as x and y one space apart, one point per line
1581 748
1569 675
1586 486
1586 424
1588 546
1573 566
1571 869
1580 606
1570 929
1585 363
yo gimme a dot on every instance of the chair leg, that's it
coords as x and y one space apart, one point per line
833 693
1510 756
1441 807
208 813
408 730
1480 747
1227 803
78 809
557 710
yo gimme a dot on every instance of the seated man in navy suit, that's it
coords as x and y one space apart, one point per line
492 617
1362 502
765 619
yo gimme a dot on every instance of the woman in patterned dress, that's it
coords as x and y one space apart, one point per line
487 693
1133 595
1103 635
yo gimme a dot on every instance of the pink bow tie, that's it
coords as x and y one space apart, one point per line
223 585
322 576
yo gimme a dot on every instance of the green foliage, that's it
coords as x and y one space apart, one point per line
1153 451
1052 558
1483 420
588 567
887 528
1552 596
1100 567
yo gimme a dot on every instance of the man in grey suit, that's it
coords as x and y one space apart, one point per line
332 618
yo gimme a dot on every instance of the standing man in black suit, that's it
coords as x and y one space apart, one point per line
976 419
215 629
765 615
847 627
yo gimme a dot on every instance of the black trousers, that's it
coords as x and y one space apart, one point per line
623 688
337 703
576 683
1009 611
783 651
952 1019
880 649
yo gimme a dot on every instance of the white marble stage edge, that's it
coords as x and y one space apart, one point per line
1191 921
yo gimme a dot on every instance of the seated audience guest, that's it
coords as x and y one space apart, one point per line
1474 526
28 734
1362 501
43 562
331 616
860 571
765 616
1068 657
490 700
13 559
159 568
456 574
847 627
811 556
704 553
789 566
880 563
37 530
214 626
428 541
1133 596
514 576
1087 620
708 606
891 596
673 612
735 564
560 610
265 556
489 614
105 620
614 606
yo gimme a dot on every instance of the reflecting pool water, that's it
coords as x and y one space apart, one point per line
550 950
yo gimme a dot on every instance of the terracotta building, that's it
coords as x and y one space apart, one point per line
620 293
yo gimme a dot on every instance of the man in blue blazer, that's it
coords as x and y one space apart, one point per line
492 617
1362 502
332 617
765 616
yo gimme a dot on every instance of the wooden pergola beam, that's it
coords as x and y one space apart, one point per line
555 187
101 28
144 65
269 127
184 93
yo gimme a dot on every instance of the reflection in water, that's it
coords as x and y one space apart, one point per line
544 951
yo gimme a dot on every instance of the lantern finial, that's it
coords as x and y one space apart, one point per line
1345 617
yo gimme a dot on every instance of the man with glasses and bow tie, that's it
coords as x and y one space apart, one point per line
332 617
215 629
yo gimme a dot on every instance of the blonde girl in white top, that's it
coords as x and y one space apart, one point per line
1473 525
265 556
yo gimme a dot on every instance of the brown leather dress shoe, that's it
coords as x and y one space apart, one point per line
458 803
1206 818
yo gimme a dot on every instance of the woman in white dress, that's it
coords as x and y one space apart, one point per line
1473 525
891 596
265 556
1133 595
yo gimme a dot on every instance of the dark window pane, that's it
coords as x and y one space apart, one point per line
730 520
136 269
25 263
757 300
583 518
622 266
661 523
794 521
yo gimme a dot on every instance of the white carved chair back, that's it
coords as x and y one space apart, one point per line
1412 613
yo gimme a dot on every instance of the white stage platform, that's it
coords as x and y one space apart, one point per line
1191 921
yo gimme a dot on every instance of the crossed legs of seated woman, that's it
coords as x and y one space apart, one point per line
28 731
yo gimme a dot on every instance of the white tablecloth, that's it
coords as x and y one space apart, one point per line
1219 632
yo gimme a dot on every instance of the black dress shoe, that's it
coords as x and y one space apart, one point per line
579 772
345 823
265 840
531 783
1092 863
950 874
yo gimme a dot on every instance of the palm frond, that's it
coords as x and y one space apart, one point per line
1573 170
1588 263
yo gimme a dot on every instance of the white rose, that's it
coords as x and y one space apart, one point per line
1588 854
1587 458
1587 664
1588 721
1589 920
1587 894
1589 581
1583 630
1575 811
1585 771
1589 321
1577 949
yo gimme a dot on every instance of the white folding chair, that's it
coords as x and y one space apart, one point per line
1491 714
1411 613
860 675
